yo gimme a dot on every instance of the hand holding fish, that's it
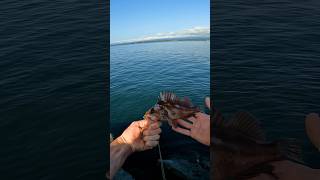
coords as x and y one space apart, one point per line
198 129
142 135
139 136
175 111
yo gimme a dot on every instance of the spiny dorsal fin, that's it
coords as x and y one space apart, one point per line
168 97
247 124
173 99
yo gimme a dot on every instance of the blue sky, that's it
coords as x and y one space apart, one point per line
132 19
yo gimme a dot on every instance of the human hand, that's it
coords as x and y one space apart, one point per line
199 128
312 124
142 135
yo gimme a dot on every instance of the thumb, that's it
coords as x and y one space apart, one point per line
207 102
144 123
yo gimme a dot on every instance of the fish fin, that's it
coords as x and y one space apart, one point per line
217 120
290 149
172 98
186 102
247 124
256 171
169 97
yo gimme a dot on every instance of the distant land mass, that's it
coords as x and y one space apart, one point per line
189 38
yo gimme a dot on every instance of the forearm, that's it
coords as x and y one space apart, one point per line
119 151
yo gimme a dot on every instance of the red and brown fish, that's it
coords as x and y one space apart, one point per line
170 108
241 151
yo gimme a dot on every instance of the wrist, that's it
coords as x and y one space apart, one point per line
126 148
119 152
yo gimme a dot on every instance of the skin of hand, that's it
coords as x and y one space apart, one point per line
142 135
288 170
139 136
199 128
312 124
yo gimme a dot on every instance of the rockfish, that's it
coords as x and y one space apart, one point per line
170 108
241 151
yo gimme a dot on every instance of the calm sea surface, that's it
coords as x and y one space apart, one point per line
266 60
139 72
53 91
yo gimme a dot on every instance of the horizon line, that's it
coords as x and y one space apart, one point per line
193 33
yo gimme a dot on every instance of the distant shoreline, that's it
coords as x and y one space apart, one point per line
162 40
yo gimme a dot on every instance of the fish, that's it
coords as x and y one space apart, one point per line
240 149
169 108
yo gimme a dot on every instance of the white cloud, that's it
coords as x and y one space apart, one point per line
195 32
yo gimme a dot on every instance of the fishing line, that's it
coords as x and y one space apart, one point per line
161 163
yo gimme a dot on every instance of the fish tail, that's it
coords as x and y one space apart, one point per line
290 149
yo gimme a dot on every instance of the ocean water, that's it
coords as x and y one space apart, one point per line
138 73
53 92
266 61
